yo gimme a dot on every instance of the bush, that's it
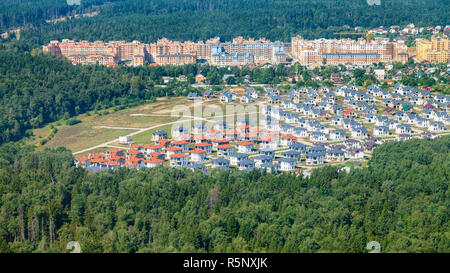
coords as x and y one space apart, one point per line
72 121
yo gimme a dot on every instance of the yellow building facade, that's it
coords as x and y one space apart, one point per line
435 51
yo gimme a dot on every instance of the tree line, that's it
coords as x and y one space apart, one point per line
401 200
203 19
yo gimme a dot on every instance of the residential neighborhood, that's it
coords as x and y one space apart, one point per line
298 130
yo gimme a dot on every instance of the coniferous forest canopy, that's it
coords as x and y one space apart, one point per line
203 19
401 200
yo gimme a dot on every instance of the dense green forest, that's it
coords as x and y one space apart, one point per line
149 20
400 200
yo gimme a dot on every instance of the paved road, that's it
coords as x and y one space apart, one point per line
141 130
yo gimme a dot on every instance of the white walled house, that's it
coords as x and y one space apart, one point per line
313 158
197 155
235 158
338 134
436 126
287 164
403 129
204 146
178 160
153 162
381 131
244 146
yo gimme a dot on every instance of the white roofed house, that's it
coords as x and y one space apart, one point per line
124 140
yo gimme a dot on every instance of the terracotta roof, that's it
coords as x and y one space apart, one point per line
174 149
180 142
289 137
97 160
225 146
113 163
153 146
197 151
178 155
154 160
203 144
221 140
244 143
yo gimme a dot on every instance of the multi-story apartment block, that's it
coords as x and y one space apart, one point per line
175 59
435 50
111 53
344 51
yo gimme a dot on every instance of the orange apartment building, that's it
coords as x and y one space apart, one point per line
84 52
167 52
347 51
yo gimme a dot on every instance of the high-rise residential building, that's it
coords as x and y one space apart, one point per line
347 51
166 52
435 50
111 53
